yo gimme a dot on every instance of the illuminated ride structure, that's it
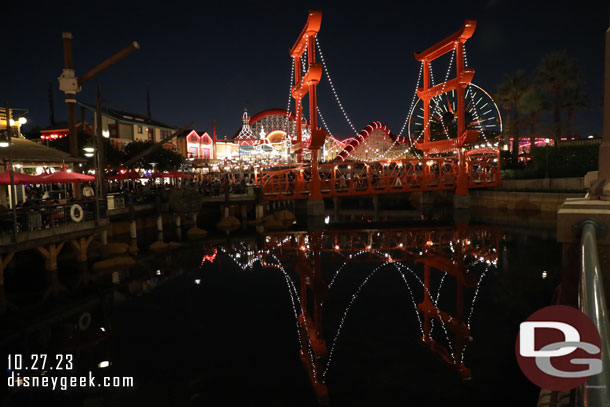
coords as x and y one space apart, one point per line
461 256
450 127
278 127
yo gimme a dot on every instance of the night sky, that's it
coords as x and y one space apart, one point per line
207 60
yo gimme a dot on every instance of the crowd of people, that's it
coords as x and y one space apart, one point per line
217 184
208 185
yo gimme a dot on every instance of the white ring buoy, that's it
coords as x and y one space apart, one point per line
84 321
76 213
88 192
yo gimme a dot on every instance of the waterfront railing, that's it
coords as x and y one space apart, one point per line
45 216
592 301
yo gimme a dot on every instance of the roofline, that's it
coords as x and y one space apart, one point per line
122 119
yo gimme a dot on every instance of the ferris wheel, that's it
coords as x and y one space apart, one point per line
481 113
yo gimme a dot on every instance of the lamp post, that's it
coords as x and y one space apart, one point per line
91 151
7 144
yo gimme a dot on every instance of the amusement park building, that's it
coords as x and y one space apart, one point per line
271 134
121 128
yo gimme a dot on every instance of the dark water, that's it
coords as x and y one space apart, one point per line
232 339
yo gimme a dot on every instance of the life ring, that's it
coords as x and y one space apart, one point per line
84 321
76 213
88 192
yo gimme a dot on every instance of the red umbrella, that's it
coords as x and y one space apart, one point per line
18 178
64 177
177 174
158 174
133 174
126 175
116 176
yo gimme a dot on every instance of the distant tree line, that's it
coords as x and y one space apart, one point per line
556 86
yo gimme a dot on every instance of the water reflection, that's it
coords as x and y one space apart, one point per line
449 260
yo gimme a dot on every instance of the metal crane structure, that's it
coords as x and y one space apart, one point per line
70 84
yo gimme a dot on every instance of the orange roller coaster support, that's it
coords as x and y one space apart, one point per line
459 83
304 85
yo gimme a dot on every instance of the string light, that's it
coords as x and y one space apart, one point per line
332 87
289 95
435 99
474 106
413 99
324 121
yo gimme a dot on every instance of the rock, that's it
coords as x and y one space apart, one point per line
115 249
273 224
228 224
196 233
174 245
158 245
115 262
284 216
279 220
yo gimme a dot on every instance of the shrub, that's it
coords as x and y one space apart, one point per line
563 162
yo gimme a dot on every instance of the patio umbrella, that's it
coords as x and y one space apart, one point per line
18 178
158 174
133 174
64 177
116 177
177 174
126 175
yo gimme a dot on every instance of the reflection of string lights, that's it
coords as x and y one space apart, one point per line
474 298
209 257
346 312
438 311
300 242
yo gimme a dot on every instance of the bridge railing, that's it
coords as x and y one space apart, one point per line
357 178
592 301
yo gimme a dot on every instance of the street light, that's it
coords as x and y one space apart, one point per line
89 150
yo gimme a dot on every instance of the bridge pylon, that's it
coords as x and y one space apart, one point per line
305 83
453 43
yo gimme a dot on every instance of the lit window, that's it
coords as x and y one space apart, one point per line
139 129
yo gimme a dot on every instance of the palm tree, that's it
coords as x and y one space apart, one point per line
556 72
532 104
509 93
573 97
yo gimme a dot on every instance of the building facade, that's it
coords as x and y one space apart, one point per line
122 128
